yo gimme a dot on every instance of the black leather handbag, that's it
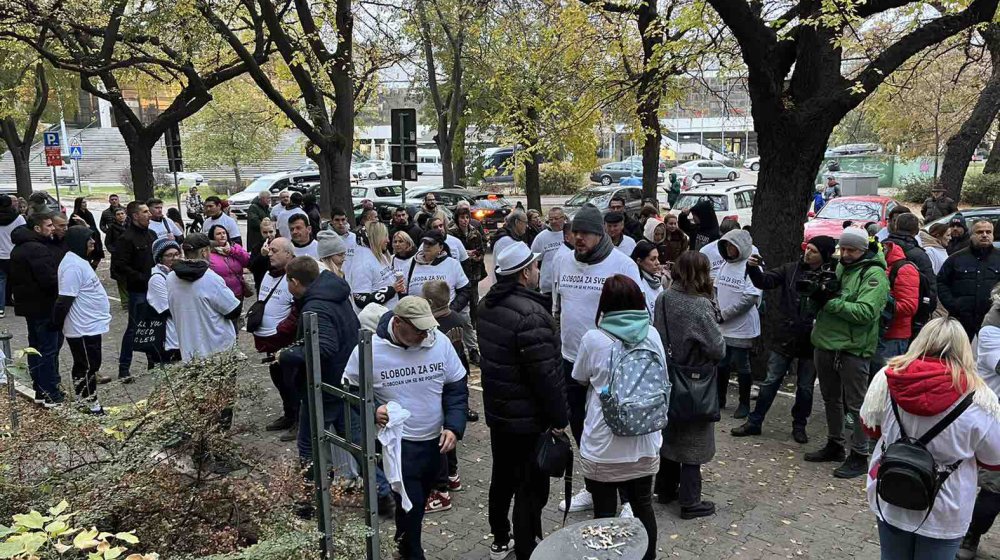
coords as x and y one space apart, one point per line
694 396
554 457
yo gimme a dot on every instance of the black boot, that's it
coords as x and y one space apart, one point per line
799 434
855 466
743 409
723 386
747 429
831 452
701 509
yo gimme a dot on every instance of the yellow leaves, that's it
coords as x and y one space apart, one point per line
33 520
86 539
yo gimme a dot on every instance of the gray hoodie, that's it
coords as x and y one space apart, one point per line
737 296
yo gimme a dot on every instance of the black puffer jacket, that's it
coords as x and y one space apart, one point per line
523 387
915 254
132 260
34 271
964 283
796 320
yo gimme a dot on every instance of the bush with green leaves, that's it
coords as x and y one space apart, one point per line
915 189
981 190
554 178
153 467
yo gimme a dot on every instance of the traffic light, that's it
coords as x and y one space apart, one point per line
403 151
172 140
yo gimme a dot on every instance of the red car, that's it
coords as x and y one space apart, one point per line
860 210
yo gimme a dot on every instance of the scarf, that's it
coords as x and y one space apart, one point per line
654 281
630 326
599 253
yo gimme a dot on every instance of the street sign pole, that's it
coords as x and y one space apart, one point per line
177 193
402 126
55 183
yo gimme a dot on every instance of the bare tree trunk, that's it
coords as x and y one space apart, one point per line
649 93
19 145
993 160
236 174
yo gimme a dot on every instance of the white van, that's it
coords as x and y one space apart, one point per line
429 161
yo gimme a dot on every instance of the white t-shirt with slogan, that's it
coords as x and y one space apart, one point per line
226 221
199 309
730 286
449 270
369 275
414 378
277 307
547 243
578 289
90 314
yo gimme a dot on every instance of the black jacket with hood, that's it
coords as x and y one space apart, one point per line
523 384
132 260
329 297
792 339
34 273
707 228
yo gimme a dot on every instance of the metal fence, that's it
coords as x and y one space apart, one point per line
8 360
322 438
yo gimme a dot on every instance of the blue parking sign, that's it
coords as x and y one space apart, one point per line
51 139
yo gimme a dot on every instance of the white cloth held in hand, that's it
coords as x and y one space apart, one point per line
391 438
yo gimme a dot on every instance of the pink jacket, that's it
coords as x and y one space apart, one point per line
230 268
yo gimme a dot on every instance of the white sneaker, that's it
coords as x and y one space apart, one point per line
581 502
626 512
500 552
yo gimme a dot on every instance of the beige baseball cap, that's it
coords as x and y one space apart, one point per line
417 311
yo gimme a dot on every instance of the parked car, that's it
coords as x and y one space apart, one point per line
701 170
372 169
601 198
860 210
184 178
733 201
753 164
616 171
273 182
852 150
386 209
662 165
499 165
387 191
973 215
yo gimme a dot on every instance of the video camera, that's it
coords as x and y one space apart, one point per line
818 281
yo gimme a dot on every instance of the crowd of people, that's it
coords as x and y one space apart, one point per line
588 320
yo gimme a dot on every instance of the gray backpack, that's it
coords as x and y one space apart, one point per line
637 397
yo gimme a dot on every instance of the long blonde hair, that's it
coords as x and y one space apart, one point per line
378 235
944 339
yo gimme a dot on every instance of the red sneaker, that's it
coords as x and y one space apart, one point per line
437 501
454 483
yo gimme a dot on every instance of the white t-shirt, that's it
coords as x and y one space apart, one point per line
547 243
310 250
414 378
156 297
351 240
986 348
225 221
278 307
578 288
284 216
974 435
448 270
731 283
715 257
6 245
598 444
369 275
650 294
90 313
276 211
166 227
199 309
626 246
456 248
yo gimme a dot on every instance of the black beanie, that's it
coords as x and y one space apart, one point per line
588 220
826 245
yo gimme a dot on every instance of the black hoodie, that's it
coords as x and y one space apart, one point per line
34 271
189 270
8 213
707 228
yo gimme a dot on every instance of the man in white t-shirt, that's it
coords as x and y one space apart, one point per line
277 330
300 232
158 223
455 246
83 312
433 263
614 226
418 368
215 215
283 199
514 227
339 223
547 243
203 308
294 208
10 219
579 279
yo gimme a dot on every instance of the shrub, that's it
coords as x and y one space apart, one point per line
982 190
125 176
560 177
915 189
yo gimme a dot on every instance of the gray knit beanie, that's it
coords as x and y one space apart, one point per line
854 238
589 220
329 243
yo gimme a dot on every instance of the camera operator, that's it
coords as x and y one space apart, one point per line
794 280
845 335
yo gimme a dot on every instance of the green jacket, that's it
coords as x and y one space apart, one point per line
850 322
255 215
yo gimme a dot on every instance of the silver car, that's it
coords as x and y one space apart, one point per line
701 170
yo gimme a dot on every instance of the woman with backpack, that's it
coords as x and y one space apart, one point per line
694 337
932 393
611 463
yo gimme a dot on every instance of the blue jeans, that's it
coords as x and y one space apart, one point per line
135 301
736 359
44 369
778 365
902 545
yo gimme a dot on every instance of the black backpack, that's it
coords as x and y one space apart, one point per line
908 476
